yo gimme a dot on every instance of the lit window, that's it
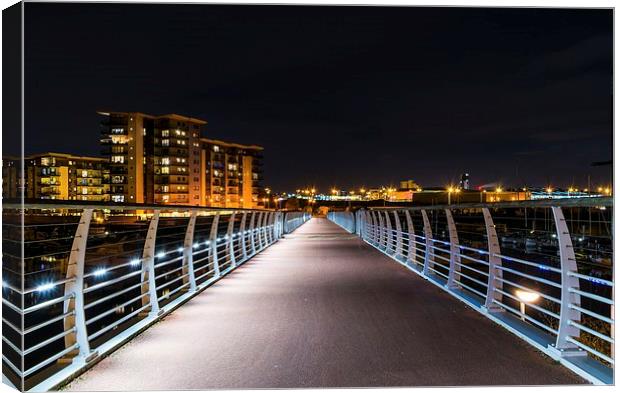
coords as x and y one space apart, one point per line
118 159
165 133
84 173
165 161
165 170
165 142
117 130
216 148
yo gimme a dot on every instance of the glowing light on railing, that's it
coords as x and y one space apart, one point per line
196 245
180 249
161 255
135 262
527 296
207 243
45 287
99 272
226 237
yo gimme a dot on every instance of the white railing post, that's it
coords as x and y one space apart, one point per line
376 231
389 233
398 252
149 286
244 251
568 264
188 253
213 243
230 241
75 304
428 252
251 229
494 284
455 251
381 229
261 219
412 249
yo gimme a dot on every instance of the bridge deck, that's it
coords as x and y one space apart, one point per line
322 309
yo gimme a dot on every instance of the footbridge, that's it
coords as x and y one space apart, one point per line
192 298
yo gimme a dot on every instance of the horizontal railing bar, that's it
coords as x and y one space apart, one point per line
592 332
531 305
49 341
12 366
538 265
113 281
112 296
118 322
51 359
113 309
49 322
592 296
534 321
528 276
12 346
591 313
48 303
589 349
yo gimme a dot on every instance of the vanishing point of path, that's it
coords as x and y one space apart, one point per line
320 308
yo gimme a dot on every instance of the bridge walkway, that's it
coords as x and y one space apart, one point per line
322 309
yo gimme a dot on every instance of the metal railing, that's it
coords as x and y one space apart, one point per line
542 269
79 281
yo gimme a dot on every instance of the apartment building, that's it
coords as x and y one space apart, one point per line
231 174
66 177
164 160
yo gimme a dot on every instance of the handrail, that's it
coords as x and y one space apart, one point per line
570 290
109 289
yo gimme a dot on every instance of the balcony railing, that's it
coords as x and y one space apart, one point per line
542 269
81 279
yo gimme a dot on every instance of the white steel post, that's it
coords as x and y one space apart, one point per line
230 241
381 229
494 283
455 251
251 229
412 250
570 284
149 285
428 252
213 243
399 236
376 231
75 304
244 251
389 234
188 253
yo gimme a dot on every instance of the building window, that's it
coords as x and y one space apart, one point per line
216 148
165 161
118 198
165 142
118 159
117 130
84 173
165 170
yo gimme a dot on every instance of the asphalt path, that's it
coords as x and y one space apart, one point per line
320 308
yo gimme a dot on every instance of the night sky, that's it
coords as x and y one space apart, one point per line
338 96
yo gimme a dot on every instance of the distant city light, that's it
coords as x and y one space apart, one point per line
135 262
161 254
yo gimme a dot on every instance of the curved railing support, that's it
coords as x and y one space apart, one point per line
494 283
213 243
149 287
428 252
455 251
569 299
188 253
398 252
76 321
230 240
412 246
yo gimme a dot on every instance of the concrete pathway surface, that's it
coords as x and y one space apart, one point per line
320 308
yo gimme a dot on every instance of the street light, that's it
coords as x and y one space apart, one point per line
525 297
